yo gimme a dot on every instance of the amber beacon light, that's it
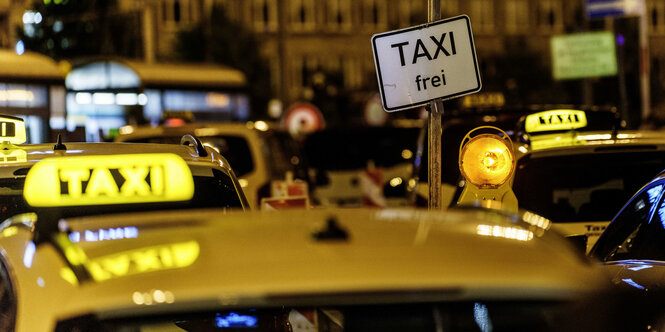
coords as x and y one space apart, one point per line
487 162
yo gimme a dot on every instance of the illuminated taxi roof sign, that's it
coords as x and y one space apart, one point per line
108 180
12 130
555 120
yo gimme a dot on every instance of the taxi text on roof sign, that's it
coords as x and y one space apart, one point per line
426 62
555 120
106 180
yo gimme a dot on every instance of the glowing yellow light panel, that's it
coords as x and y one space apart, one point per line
105 180
486 161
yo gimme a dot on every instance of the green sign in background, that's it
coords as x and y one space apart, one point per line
581 55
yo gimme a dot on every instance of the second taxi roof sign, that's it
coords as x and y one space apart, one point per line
431 61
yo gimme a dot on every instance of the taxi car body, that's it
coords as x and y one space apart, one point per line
309 270
578 176
257 152
117 171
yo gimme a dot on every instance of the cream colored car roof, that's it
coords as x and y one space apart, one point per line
587 142
201 129
257 257
37 152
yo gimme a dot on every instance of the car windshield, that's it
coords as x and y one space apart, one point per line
459 316
212 188
583 187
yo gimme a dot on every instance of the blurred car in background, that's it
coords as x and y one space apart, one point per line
456 123
307 270
632 249
257 151
577 175
362 166
118 172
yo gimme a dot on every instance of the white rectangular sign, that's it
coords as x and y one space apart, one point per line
431 61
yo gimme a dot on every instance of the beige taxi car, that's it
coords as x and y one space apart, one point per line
124 172
257 151
296 270
579 173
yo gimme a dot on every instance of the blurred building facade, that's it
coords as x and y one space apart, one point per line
303 39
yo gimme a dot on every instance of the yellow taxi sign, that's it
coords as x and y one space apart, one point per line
107 180
555 120
12 130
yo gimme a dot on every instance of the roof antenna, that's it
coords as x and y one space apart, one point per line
332 231
58 145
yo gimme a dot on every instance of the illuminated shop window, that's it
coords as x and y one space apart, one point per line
23 95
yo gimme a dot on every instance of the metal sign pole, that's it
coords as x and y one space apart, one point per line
644 66
434 130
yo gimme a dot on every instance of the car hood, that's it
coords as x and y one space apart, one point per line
216 258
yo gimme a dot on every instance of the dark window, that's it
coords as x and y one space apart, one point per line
375 13
235 149
176 11
353 148
302 13
583 187
638 231
265 13
283 155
